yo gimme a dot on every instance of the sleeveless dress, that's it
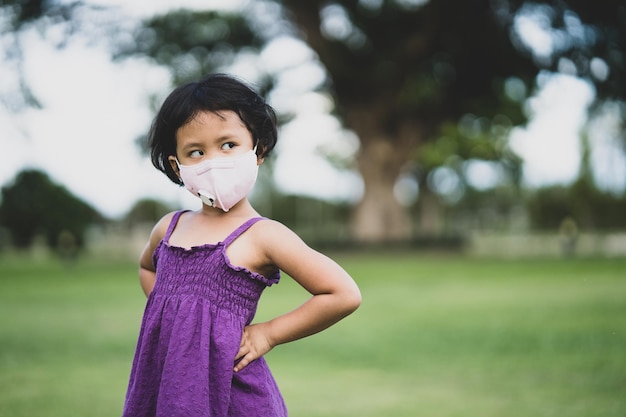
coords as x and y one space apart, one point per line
191 332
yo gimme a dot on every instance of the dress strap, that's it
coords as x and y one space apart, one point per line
172 225
239 231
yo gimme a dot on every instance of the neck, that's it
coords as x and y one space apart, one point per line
242 209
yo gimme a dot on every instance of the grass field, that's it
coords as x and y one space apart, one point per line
436 336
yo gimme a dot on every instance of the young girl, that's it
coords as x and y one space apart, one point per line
203 271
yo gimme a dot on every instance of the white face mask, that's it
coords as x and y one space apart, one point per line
221 182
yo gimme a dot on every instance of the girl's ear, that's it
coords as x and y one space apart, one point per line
260 154
174 164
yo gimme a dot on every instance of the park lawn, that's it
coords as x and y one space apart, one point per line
436 336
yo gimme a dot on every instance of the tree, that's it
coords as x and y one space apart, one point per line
16 17
401 69
403 72
191 43
33 205
584 204
586 39
146 211
399 72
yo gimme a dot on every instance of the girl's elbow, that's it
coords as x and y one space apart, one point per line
352 301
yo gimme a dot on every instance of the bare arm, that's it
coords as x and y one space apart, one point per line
334 296
147 273
147 270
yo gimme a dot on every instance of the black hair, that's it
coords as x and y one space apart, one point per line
214 93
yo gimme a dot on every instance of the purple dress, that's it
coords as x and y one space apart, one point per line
190 335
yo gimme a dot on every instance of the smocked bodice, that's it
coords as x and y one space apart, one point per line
206 272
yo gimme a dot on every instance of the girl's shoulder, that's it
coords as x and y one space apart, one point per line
160 228
272 235
269 227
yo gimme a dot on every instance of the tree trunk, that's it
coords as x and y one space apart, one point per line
383 154
430 221
387 138
379 217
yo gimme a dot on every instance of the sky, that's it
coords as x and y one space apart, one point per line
93 110
550 143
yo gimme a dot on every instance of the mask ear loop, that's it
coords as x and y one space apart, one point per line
178 171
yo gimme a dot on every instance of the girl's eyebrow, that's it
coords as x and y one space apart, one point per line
192 145
228 137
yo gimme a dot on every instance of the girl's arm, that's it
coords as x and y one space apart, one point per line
334 294
147 271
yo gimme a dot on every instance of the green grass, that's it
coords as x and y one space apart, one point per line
436 336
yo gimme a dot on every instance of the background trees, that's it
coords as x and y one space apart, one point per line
429 87
34 205
402 74
436 83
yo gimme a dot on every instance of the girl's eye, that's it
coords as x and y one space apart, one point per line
228 145
196 154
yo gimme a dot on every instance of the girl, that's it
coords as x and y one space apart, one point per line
203 271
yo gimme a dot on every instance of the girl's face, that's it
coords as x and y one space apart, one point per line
211 135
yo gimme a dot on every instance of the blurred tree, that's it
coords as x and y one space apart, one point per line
407 74
397 72
402 69
146 211
19 16
581 38
588 207
318 222
33 205
191 43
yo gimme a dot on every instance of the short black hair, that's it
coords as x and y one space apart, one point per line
213 93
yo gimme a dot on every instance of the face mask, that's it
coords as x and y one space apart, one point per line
221 182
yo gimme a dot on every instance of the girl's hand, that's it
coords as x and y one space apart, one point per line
254 344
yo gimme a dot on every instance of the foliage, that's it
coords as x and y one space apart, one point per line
407 74
497 209
432 60
23 12
588 39
189 43
585 39
436 61
316 221
435 69
588 207
456 81
146 211
471 139
17 16
34 205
